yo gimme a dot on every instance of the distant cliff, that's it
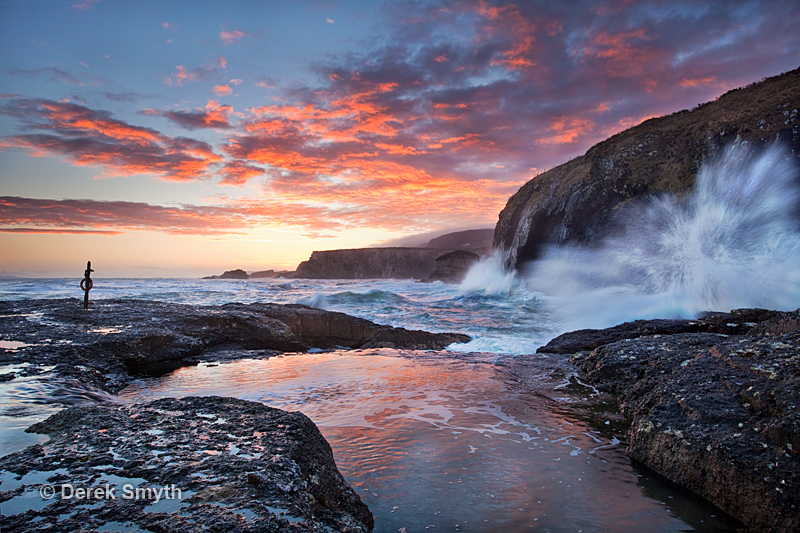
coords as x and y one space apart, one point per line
573 203
366 263
474 240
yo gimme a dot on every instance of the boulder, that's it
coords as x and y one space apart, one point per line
576 201
712 405
225 464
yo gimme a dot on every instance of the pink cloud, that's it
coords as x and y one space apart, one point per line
232 37
221 90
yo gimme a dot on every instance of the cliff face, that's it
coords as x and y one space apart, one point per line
367 263
574 202
453 266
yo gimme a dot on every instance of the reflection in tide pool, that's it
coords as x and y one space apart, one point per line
457 443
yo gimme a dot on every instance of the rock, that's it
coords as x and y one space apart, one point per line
210 277
453 266
226 464
474 239
369 263
102 347
271 274
713 405
576 201
737 322
234 274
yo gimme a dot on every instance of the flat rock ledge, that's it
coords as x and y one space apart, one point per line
213 464
103 346
713 404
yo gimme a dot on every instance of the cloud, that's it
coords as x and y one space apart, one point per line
232 37
213 116
237 173
460 103
221 90
33 215
205 72
55 74
85 6
88 137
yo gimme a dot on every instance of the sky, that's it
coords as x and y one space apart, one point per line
183 138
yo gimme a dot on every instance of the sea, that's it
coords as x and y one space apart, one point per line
458 439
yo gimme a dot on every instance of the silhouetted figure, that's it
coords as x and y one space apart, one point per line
86 284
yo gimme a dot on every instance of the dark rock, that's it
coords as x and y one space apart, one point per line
102 347
714 410
369 263
474 239
736 322
234 274
575 202
453 266
210 277
236 465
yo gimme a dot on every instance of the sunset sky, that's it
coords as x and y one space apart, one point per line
183 138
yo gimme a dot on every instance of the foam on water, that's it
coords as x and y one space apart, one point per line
732 242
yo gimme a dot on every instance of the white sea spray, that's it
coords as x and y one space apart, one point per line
732 242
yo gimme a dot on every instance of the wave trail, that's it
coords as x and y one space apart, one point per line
734 241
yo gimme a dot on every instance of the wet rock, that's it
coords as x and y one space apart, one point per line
212 463
115 338
713 405
737 322
453 266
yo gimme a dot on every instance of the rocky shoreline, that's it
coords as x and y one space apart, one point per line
713 404
238 466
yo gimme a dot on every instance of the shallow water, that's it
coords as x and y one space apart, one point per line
456 442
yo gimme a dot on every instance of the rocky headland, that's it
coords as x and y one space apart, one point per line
211 464
714 404
370 263
576 201
432 262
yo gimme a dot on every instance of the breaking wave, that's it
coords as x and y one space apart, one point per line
732 242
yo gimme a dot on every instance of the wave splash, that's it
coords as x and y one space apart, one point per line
732 242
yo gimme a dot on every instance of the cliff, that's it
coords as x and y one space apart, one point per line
367 263
474 240
574 202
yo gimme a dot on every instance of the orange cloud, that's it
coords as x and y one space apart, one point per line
89 137
508 19
698 82
221 90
